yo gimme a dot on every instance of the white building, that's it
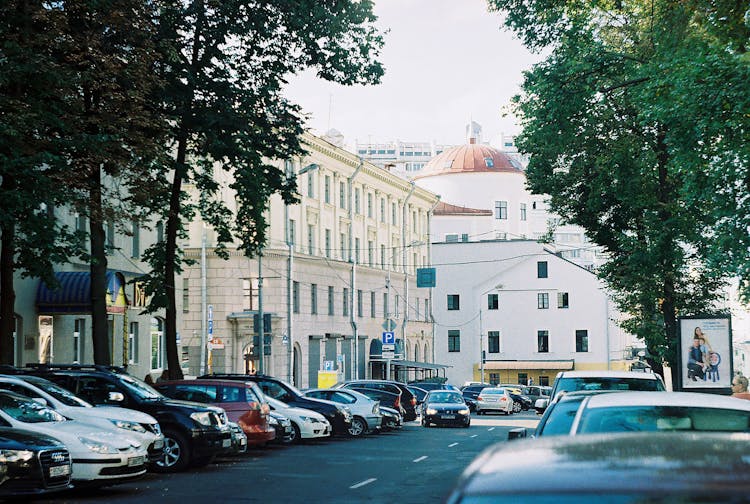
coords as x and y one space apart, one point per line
356 238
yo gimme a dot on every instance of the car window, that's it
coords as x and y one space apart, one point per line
343 398
233 394
140 388
607 383
560 418
273 389
663 418
27 411
19 389
196 393
445 397
64 396
95 390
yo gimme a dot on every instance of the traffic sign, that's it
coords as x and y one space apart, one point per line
328 365
388 354
389 325
389 338
389 347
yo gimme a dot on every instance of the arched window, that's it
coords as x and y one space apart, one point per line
158 350
416 352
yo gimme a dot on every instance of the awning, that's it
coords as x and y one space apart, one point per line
419 365
74 293
562 365
376 349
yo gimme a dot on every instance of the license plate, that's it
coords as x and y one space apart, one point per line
446 417
56 471
226 443
243 441
158 444
136 461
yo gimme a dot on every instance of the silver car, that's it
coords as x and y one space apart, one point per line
494 399
366 415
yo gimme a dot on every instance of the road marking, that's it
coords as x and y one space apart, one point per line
362 483
452 445
420 459
491 429
474 435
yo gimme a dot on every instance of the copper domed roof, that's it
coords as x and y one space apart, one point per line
470 158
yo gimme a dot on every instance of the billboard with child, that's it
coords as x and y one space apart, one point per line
705 353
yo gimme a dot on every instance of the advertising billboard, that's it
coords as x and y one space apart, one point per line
705 353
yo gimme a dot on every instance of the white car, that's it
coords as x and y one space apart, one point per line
100 456
140 426
307 424
366 415
494 399
660 411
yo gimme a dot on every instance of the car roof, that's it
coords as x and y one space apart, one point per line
684 399
609 374
632 462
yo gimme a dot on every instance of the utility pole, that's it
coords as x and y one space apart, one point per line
204 303
261 328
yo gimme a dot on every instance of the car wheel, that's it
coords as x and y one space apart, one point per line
516 407
295 437
176 453
358 427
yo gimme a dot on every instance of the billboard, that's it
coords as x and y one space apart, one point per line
705 353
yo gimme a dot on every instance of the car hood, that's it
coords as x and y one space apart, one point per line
69 431
19 439
108 413
296 412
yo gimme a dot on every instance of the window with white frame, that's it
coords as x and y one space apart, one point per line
311 239
327 188
369 205
501 210
311 184
342 195
356 201
328 243
157 343
79 333
382 210
542 300
133 343
523 211
493 341
314 299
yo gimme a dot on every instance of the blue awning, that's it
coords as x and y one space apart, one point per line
74 293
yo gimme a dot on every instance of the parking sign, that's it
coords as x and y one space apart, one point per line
389 338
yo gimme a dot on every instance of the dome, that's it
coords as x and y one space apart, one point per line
470 158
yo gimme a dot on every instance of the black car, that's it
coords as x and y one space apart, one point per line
471 392
285 433
193 433
338 416
392 419
445 407
32 463
408 401
520 402
389 399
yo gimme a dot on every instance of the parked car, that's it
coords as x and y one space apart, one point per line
392 419
138 425
408 401
390 399
535 392
365 411
470 393
653 467
429 385
32 463
239 439
305 423
661 411
445 407
520 402
243 402
284 431
494 399
567 381
419 394
100 456
558 417
193 433
513 388
339 416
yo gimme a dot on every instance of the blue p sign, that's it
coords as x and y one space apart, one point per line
389 338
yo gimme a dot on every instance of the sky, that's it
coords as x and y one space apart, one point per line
446 62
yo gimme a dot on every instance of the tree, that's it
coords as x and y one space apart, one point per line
622 141
224 82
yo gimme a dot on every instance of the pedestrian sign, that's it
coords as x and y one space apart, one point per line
389 338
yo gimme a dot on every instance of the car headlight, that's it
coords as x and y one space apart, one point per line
131 426
464 411
98 446
157 428
202 417
15 456
431 411
307 419
272 421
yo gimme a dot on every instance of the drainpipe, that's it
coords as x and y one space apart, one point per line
429 261
404 221
352 260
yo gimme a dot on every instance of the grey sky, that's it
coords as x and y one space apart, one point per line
446 61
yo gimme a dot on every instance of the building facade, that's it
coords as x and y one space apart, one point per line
338 270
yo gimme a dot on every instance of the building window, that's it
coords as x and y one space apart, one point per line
311 239
394 213
501 210
385 305
311 185
542 341
330 300
454 340
493 341
541 269
397 305
327 188
328 243
356 201
464 237
247 295
342 246
523 379
136 241
582 340
372 304
79 333
157 343
342 195
133 343
370 253
314 299
345 311
451 238
453 302
356 250
426 310
109 236
185 295
542 300
382 210
81 223
359 303
562 300
544 381
382 256
492 301
494 378
369 205
523 211
295 297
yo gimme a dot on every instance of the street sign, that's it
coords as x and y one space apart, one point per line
389 325
210 321
425 277
389 338
328 365
388 354
389 347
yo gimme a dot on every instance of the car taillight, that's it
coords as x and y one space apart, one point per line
503 399
413 401
479 398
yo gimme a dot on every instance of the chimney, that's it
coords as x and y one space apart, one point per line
472 140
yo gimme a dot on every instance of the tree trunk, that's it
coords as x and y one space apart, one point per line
7 292
99 325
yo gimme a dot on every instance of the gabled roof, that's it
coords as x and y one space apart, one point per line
443 208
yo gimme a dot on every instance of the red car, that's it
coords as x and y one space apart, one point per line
243 401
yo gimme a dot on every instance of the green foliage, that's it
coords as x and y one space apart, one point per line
637 127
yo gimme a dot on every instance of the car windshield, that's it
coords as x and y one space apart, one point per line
608 383
140 388
662 418
64 396
445 397
28 411
559 419
493 391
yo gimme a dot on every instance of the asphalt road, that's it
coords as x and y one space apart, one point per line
415 464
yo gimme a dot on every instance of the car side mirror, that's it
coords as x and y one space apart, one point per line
540 405
117 397
517 433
